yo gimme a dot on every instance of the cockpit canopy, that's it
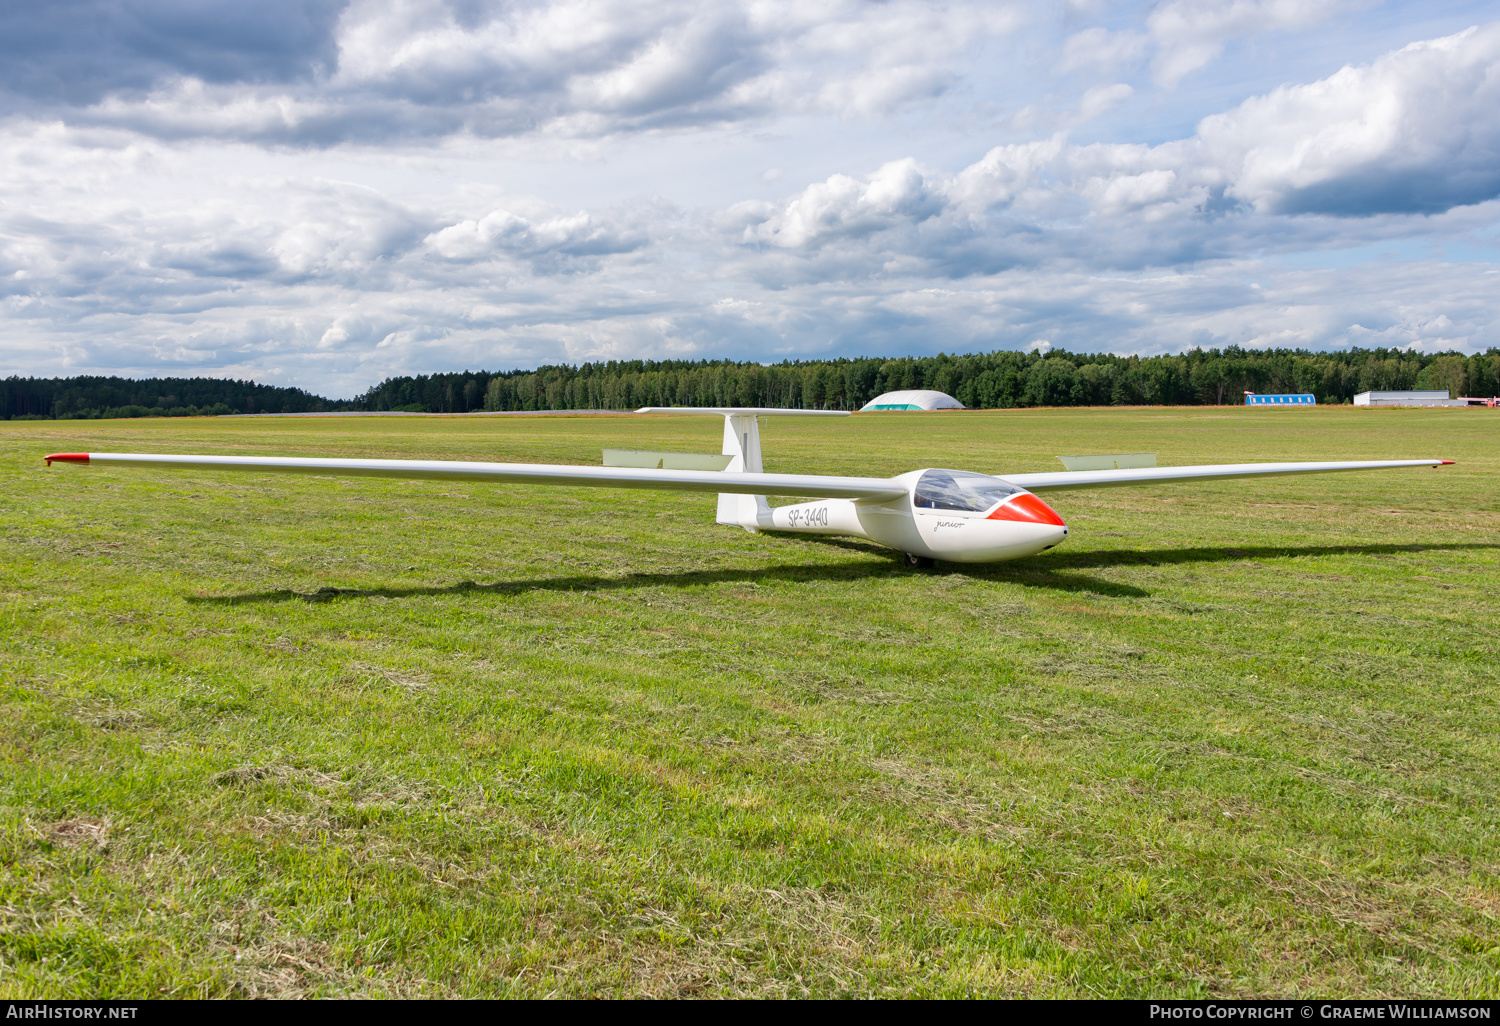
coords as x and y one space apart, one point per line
960 491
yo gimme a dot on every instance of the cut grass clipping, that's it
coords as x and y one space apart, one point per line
277 736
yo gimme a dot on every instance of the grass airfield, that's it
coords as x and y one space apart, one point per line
296 736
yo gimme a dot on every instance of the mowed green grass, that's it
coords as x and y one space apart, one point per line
312 736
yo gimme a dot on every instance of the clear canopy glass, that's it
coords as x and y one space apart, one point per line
961 491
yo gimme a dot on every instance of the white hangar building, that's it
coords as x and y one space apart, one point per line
913 399
1418 398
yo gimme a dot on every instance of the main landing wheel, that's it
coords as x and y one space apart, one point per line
914 562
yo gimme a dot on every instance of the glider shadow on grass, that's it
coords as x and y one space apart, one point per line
1032 576
1100 558
1047 572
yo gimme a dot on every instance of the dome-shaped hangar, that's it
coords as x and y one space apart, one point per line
913 399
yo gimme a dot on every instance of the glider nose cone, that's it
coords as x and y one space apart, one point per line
1027 509
67 457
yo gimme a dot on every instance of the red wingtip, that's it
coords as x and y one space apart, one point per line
1446 463
67 457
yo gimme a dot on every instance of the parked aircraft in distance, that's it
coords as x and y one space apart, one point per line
933 514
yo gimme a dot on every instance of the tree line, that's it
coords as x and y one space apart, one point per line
981 381
86 398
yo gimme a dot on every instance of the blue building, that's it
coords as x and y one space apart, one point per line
1300 399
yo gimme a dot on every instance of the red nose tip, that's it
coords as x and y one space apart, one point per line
67 457
1027 508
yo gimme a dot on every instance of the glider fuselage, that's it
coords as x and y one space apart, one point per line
1015 524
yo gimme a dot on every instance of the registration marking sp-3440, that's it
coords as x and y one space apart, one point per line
817 516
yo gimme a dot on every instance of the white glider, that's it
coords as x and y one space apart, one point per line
952 515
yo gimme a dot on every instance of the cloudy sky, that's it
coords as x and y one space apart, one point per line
323 193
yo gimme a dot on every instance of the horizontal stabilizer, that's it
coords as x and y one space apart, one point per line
665 460
740 411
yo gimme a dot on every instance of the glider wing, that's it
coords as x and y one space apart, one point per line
812 485
1220 471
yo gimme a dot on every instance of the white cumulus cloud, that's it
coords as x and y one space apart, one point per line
1417 130
394 69
843 207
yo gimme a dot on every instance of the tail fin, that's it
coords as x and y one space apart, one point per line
742 445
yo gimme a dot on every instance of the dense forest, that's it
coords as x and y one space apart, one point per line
990 380
91 397
1001 379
